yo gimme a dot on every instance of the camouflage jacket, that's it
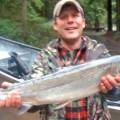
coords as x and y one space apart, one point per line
47 62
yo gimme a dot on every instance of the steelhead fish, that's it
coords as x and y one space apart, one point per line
65 85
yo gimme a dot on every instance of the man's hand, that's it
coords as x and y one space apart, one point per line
13 99
108 82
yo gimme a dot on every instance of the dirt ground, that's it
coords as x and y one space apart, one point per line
114 44
11 114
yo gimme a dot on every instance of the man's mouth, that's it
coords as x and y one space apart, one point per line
70 28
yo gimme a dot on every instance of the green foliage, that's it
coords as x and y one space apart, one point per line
38 4
32 15
8 29
33 8
29 21
117 35
94 10
41 32
28 27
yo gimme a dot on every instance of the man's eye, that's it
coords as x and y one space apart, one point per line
63 17
75 15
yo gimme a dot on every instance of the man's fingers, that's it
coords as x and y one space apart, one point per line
109 81
6 84
16 100
103 88
13 100
8 101
117 78
2 103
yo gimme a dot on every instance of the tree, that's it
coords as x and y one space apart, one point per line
94 12
118 14
109 10
24 19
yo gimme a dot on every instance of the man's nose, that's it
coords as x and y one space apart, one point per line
70 18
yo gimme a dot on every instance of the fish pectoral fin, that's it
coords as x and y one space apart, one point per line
58 106
24 108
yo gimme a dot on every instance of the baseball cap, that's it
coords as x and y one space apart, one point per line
61 3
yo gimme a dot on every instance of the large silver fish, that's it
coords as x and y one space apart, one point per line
66 84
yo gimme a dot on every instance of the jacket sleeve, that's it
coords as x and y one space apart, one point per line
95 50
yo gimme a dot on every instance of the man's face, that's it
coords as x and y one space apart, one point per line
69 24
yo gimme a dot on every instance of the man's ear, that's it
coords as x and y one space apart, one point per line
54 25
84 23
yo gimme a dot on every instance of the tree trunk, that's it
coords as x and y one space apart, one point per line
109 9
24 19
118 14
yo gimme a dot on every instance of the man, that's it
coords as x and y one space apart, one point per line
70 49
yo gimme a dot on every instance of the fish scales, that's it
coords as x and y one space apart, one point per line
46 82
66 84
